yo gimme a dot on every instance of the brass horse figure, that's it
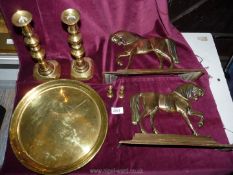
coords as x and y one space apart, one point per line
176 101
135 44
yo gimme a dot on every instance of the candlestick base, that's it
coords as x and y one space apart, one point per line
53 73
80 74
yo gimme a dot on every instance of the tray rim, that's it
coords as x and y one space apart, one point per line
22 156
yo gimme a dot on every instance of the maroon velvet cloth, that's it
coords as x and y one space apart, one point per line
99 19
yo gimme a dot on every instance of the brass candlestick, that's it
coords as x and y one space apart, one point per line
43 70
81 67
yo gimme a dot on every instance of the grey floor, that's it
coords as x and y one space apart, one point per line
7 96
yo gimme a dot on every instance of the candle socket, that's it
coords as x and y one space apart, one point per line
44 69
81 67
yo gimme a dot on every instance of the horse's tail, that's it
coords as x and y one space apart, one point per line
172 50
134 104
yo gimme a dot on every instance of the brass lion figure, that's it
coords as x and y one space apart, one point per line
135 44
148 103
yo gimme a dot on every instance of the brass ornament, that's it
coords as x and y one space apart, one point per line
148 103
176 101
163 48
135 44
185 74
110 91
122 92
82 68
62 134
43 69
176 141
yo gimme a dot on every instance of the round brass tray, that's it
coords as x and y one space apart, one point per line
58 127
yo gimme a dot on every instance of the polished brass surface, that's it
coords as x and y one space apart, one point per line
176 101
134 44
53 71
110 92
21 18
81 67
77 72
185 74
58 127
122 92
172 140
43 70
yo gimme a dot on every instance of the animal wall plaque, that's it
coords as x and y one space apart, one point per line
164 49
134 44
146 104
176 101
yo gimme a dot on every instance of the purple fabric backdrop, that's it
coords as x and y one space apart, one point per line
99 19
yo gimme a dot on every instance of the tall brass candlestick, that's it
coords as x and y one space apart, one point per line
43 70
82 67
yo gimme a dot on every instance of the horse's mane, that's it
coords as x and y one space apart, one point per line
185 90
130 33
128 37
136 35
